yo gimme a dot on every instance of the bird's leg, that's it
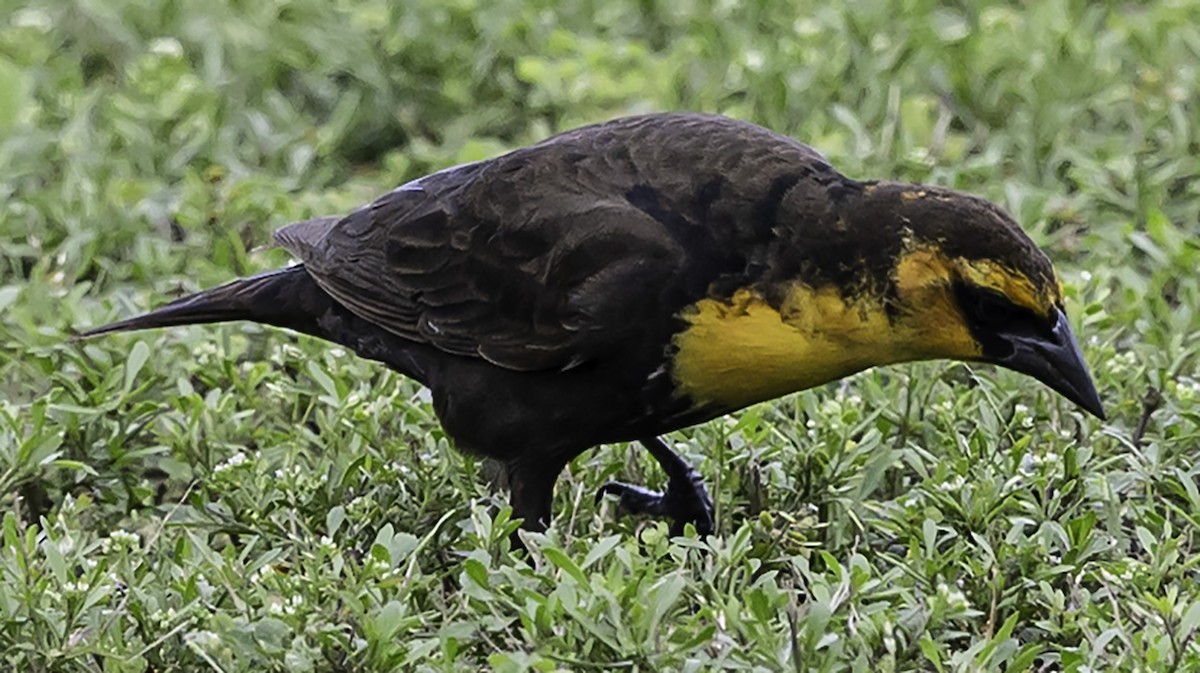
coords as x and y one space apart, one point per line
685 500
532 495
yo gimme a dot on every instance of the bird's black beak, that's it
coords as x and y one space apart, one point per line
1055 361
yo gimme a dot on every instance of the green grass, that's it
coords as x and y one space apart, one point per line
239 498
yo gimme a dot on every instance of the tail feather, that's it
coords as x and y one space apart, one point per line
255 298
287 298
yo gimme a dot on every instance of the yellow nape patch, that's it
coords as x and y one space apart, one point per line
738 352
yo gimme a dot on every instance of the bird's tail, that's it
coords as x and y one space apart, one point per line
290 298
268 298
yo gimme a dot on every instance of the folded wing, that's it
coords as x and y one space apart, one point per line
555 287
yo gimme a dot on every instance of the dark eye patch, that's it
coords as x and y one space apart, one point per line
989 313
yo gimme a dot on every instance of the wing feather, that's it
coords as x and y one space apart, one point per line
542 292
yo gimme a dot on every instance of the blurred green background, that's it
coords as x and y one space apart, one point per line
237 498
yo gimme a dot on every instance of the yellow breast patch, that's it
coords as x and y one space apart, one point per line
738 352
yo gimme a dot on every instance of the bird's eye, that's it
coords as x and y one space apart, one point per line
990 308
995 321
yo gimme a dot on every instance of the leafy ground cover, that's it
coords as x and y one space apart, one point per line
237 498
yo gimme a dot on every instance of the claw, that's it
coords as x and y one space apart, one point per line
686 499
610 488
634 499
681 505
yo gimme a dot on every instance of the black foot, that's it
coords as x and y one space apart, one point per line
686 500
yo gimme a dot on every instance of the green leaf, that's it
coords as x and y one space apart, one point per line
8 294
388 620
54 559
600 550
326 383
663 598
1190 621
930 650
134 363
75 465
334 519
14 101
1146 539
564 563
271 633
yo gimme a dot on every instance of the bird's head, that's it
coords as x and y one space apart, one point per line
965 282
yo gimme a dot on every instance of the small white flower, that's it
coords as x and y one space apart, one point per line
955 599
202 640
125 539
230 463
166 46
281 608
33 18
954 484
1187 390
206 351
204 588
1121 363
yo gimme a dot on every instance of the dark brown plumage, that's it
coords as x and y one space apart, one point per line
609 283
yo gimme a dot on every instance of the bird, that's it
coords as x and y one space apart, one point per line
631 278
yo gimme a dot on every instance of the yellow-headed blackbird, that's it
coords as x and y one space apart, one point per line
631 278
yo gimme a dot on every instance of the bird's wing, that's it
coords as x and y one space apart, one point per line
548 282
